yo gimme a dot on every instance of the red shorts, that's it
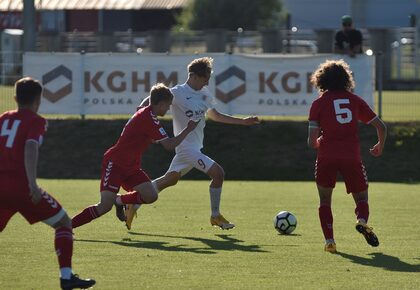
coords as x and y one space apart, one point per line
12 201
113 177
352 170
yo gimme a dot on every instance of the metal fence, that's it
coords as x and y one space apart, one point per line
402 103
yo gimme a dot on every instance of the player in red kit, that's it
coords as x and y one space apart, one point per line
333 131
121 164
21 134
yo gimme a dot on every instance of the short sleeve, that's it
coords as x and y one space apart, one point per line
314 111
175 93
154 129
209 98
366 114
37 130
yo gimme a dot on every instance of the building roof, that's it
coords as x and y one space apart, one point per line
17 5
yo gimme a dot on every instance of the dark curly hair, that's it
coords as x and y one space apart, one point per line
333 75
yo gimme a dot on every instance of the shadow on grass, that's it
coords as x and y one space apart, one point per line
226 243
381 260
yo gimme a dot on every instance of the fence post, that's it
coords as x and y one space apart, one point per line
216 40
82 86
379 61
325 40
380 40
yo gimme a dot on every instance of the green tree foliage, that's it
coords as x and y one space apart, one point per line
231 14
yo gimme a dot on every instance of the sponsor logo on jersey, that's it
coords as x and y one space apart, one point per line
198 113
189 113
162 131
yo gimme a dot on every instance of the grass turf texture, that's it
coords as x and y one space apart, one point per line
173 246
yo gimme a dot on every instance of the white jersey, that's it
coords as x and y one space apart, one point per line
190 104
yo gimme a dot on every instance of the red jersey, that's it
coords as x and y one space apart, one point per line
337 114
140 131
16 127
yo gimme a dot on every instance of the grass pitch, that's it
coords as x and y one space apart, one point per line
173 246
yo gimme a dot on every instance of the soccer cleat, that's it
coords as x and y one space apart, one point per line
221 222
130 213
330 247
76 283
368 233
119 212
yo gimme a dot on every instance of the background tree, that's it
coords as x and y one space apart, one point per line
231 14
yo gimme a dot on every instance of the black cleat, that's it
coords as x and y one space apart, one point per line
76 283
368 233
120 212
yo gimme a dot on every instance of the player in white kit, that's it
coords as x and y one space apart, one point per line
193 100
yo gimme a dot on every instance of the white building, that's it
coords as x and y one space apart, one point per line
314 14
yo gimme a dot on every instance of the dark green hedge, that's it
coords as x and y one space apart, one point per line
274 150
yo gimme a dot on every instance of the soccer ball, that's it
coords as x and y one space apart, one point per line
285 222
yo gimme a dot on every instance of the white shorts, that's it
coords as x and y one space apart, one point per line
186 160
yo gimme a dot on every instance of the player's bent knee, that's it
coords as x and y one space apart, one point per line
104 207
60 219
172 178
149 196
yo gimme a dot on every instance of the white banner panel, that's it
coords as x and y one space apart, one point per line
102 83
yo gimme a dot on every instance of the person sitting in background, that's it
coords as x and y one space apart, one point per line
348 40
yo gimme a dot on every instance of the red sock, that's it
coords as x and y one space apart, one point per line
132 198
326 218
362 210
63 243
86 216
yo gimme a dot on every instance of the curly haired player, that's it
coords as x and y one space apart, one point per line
333 131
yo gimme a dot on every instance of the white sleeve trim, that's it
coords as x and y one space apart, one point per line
157 141
32 140
55 218
372 119
313 124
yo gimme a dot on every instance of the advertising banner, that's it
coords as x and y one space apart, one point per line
266 84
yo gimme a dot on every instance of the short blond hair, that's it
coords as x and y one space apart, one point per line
201 67
160 93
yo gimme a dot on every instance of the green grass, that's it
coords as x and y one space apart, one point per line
172 245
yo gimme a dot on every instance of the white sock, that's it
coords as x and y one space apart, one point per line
155 186
329 241
215 194
65 273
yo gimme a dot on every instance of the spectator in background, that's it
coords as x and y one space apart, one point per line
348 40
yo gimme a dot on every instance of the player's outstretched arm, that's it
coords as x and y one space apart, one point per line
381 131
31 163
223 118
172 143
